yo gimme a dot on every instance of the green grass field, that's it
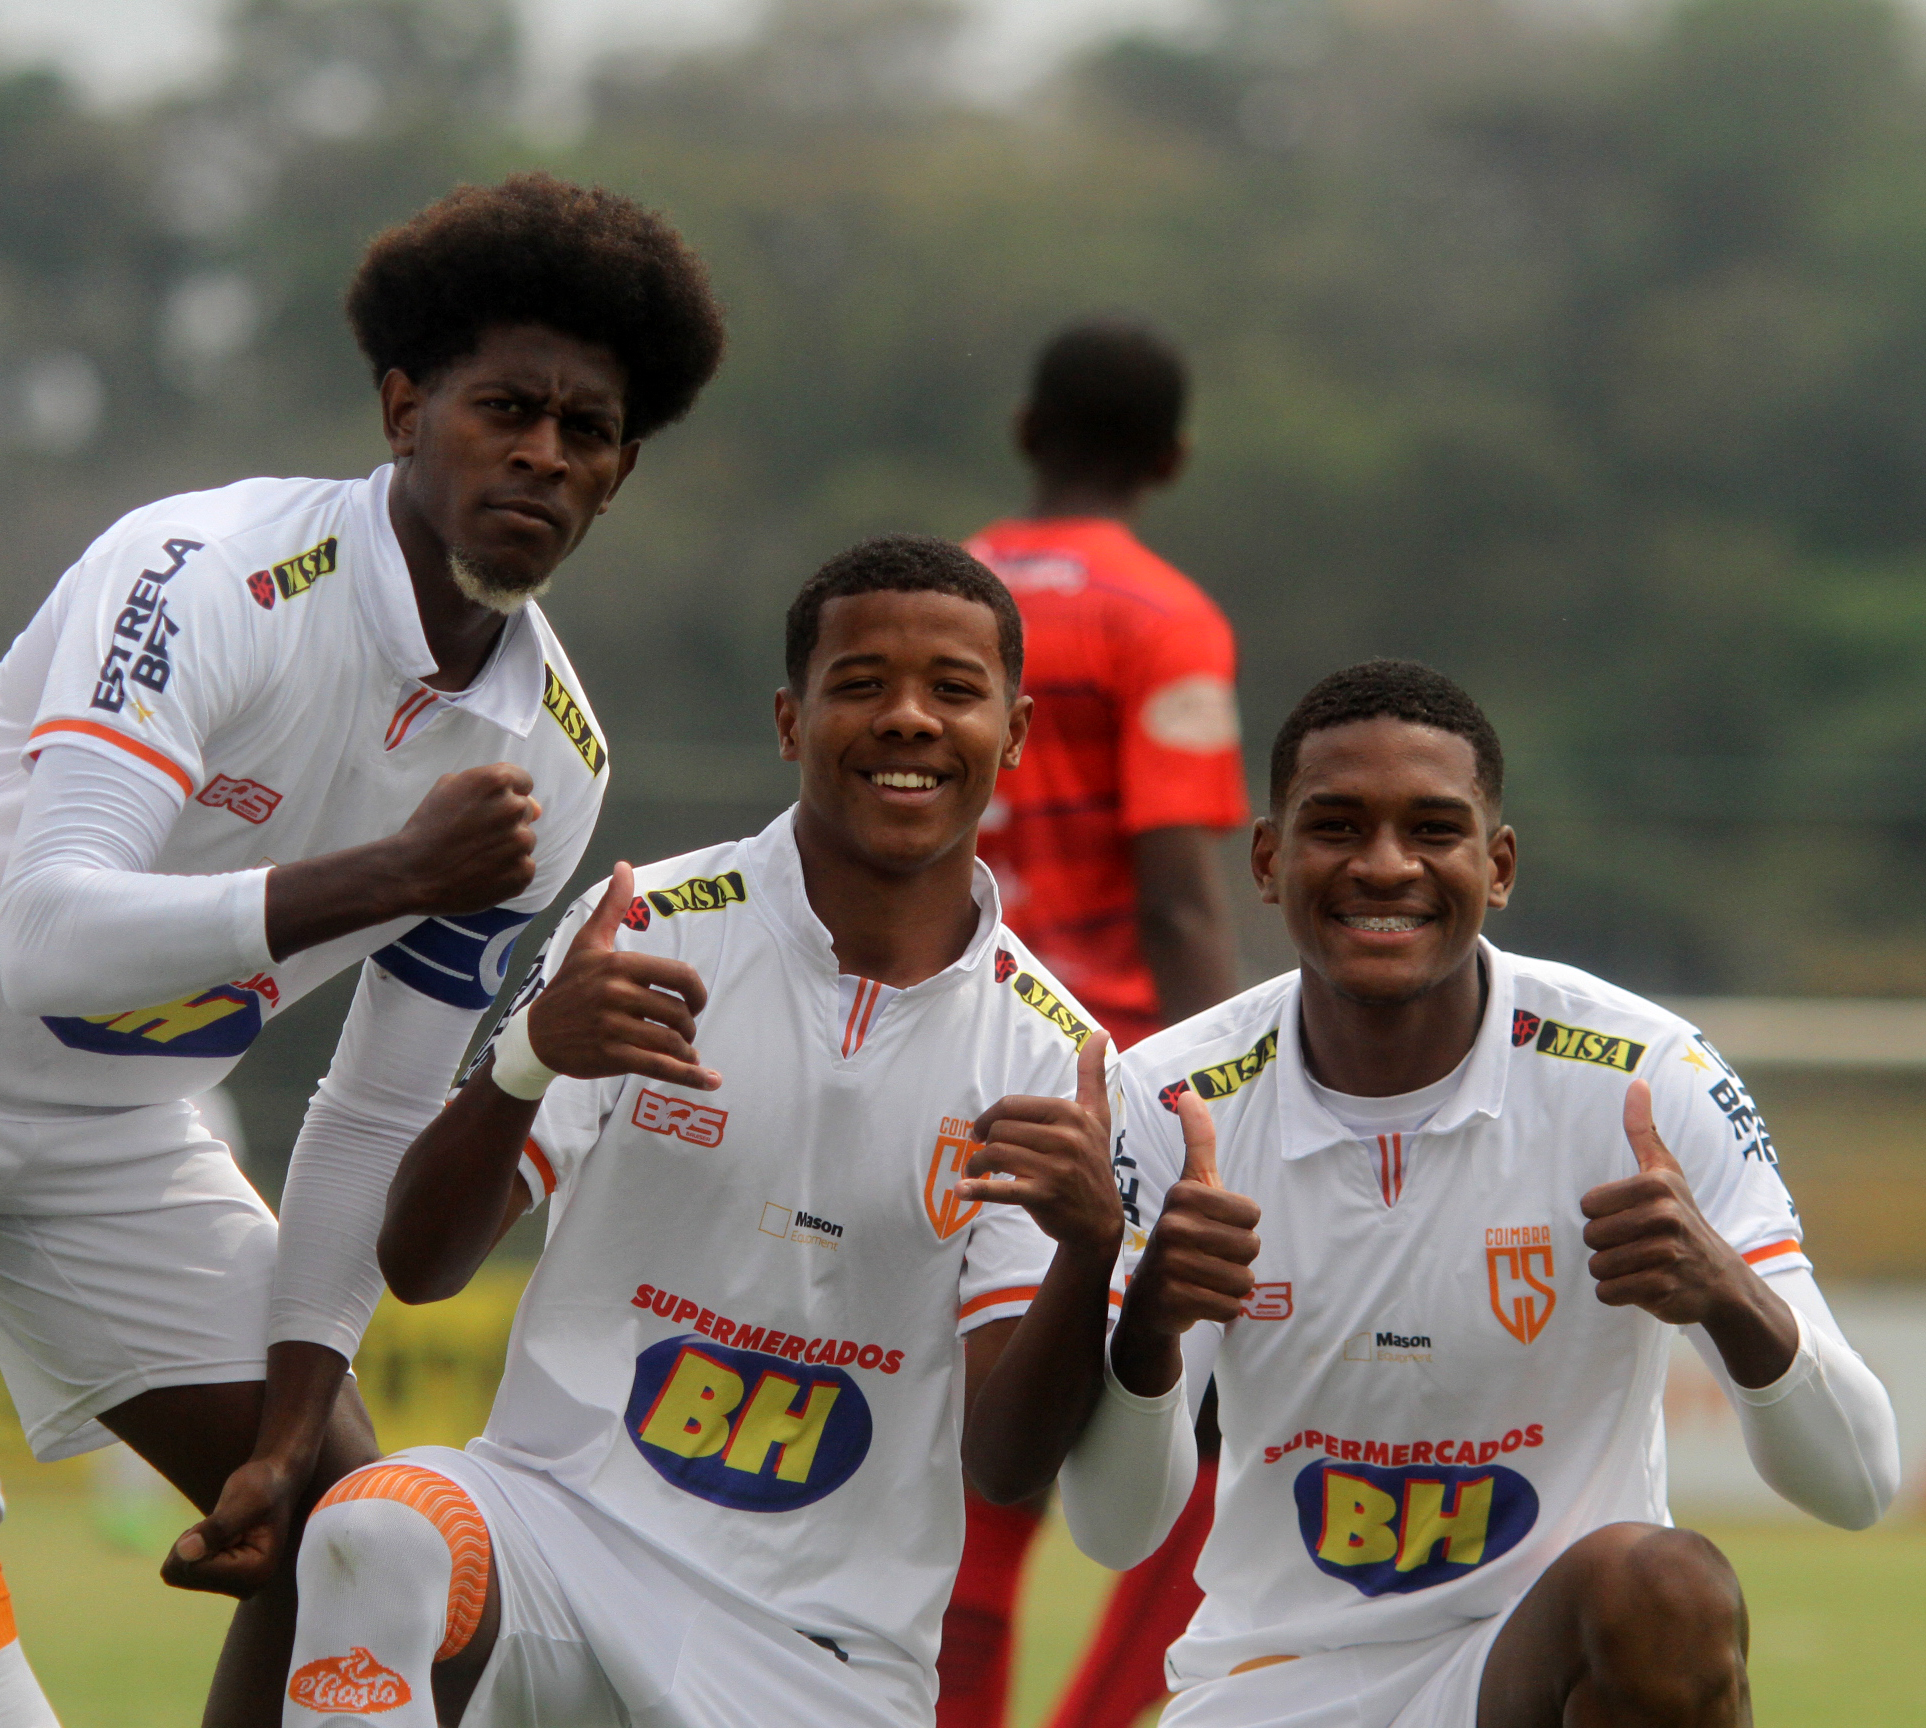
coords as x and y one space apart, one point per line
1832 1615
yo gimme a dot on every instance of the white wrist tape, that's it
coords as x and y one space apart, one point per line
518 1070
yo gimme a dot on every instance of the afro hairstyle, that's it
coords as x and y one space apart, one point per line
1107 402
1398 690
537 250
901 564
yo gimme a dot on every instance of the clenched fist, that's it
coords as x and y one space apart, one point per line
470 844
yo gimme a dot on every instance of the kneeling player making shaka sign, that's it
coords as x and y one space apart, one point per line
721 1481
1488 1187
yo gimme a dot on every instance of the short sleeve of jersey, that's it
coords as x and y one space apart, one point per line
1706 1117
1179 762
153 651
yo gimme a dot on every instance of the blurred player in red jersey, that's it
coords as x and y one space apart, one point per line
1104 847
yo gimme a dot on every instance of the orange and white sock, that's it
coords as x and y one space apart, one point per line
393 1578
22 1703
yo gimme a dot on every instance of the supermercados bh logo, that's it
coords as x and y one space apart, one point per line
1575 1043
1387 1531
223 1021
1224 1078
569 716
698 894
744 1429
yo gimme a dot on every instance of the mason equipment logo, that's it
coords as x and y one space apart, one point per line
300 573
571 719
954 1149
699 894
1575 1043
1226 1077
1518 1265
1046 1002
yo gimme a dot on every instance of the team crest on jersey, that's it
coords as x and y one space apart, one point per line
745 1429
1006 966
955 1147
261 586
223 1021
569 716
637 916
699 894
1226 1077
298 574
1518 1267
1575 1043
1032 990
1389 1531
351 1685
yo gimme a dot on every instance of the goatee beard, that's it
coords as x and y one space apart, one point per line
486 587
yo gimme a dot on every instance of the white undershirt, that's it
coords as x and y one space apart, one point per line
1401 1113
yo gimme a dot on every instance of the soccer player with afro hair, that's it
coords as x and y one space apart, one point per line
258 735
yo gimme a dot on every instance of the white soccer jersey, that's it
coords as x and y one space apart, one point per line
743 1339
257 651
1423 1401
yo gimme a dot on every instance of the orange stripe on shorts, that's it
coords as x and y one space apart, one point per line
451 1512
8 1631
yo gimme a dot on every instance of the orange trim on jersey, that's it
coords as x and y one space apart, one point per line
1022 1293
404 716
8 1630
1753 1256
536 1156
446 1506
856 1028
133 746
1261 1662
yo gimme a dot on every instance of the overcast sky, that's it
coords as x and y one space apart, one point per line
122 50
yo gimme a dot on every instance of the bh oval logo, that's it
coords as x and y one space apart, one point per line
1388 1531
744 1429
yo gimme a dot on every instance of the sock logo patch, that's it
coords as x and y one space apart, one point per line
351 1685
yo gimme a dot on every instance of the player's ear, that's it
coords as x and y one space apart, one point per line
400 411
788 725
1266 843
624 467
1016 730
1504 867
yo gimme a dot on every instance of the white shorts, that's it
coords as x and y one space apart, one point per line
599 1631
133 1255
1427 1683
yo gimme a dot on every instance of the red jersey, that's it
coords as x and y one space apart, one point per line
1134 670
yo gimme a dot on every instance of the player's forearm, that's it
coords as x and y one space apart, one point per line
1755 1332
316 900
303 1380
1129 1475
452 1191
1036 1400
1146 1363
1184 924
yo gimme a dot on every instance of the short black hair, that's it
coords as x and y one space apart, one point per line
901 564
537 250
1398 690
1107 402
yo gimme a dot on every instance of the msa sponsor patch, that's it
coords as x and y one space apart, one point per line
745 1429
1051 1006
1225 1078
298 574
1575 1043
1387 1531
569 716
698 894
223 1021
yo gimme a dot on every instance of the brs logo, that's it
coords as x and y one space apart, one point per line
699 1124
1397 1530
699 894
1046 1002
223 1021
744 1429
248 799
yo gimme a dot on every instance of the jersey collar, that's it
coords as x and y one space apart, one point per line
1308 1127
508 690
776 874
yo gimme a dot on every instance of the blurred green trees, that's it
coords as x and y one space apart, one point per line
1587 363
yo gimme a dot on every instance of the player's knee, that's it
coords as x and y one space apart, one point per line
379 1553
1666 1620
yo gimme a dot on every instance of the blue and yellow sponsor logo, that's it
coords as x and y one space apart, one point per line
223 1021
1389 1531
745 1429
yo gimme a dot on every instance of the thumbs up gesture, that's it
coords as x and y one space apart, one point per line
605 1012
1653 1248
1051 1156
1196 1265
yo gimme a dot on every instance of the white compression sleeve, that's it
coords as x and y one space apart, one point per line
1823 1434
81 884
1130 1473
398 1054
